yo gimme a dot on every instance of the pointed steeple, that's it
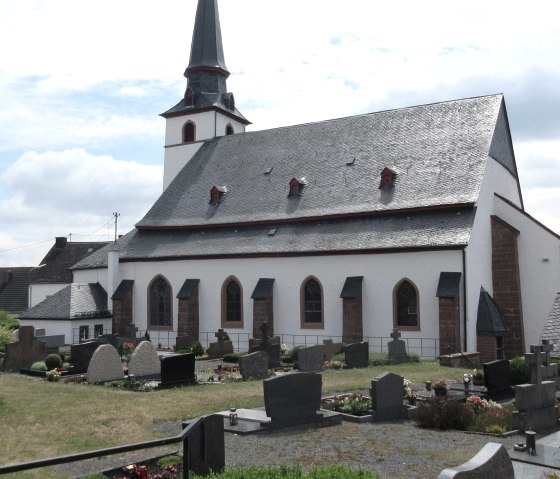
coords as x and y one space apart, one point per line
207 52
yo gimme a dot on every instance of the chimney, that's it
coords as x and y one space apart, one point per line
60 242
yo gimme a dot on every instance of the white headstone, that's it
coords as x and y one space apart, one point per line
105 365
144 360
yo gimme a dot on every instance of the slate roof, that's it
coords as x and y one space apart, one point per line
437 151
448 285
14 289
490 320
75 301
55 266
425 230
552 328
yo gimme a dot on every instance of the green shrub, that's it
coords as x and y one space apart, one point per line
495 429
233 357
293 353
8 320
197 349
518 371
5 335
413 358
334 471
169 461
53 361
39 366
378 359
440 413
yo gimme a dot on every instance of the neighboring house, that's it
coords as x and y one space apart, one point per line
78 311
54 272
410 219
14 289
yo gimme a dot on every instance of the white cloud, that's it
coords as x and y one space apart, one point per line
71 191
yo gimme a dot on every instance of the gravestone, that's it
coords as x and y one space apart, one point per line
311 358
357 355
331 348
177 370
112 339
535 402
144 361
293 399
183 343
268 345
549 370
492 461
387 397
105 365
23 353
80 355
496 379
254 365
397 348
52 342
218 349
207 447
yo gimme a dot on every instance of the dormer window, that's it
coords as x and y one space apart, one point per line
216 194
229 130
189 97
189 132
387 179
296 186
229 101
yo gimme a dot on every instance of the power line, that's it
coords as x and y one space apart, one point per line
25 245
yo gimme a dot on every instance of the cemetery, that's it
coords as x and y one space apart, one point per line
312 389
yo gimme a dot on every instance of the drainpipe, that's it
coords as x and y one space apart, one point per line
112 273
464 299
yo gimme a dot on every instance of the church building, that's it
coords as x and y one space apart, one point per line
348 228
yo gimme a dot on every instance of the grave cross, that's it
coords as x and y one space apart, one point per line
221 335
534 359
395 334
547 349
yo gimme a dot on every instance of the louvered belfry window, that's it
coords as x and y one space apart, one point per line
189 132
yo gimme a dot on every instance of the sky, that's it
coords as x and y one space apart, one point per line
82 84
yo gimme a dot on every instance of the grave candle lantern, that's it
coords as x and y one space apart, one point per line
233 418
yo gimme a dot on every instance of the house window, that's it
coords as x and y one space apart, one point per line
232 303
98 330
84 333
159 304
406 311
229 130
189 98
189 132
311 304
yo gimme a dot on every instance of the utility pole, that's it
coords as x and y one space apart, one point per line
116 216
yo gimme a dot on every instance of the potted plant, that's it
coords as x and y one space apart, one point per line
440 388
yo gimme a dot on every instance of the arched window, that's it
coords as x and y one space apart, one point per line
229 130
189 132
232 303
405 306
189 97
311 303
159 304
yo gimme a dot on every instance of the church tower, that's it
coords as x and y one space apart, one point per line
207 110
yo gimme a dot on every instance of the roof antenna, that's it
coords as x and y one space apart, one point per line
116 216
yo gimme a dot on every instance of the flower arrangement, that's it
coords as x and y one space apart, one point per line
409 393
53 375
333 364
489 416
356 404
283 349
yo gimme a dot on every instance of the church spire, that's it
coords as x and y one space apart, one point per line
207 52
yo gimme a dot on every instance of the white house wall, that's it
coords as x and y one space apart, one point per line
40 292
539 267
68 328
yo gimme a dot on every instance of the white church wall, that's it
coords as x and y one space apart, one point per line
381 273
176 158
539 267
478 254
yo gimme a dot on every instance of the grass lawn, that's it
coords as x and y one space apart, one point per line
39 419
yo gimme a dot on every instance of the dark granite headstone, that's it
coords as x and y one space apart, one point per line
254 365
219 349
387 397
183 343
293 399
112 339
177 370
23 353
357 355
331 348
496 378
80 355
207 447
270 345
311 358
397 348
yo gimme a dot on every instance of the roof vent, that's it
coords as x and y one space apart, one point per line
216 194
388 177
272 231
296 186
350 161
268 170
